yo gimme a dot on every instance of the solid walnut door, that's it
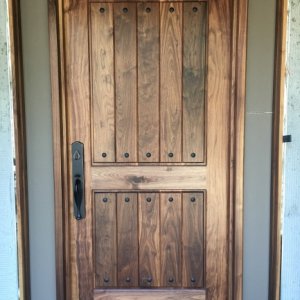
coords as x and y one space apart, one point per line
148 94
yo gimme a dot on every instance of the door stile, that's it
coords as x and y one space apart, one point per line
219 83
76 49
237 108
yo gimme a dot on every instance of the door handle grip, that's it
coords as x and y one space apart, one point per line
78 193
78 180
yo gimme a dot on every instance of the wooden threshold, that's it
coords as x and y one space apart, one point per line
149 294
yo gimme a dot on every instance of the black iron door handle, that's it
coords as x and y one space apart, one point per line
78 198
78 180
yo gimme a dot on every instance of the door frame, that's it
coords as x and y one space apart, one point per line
19 124
236 159
277 149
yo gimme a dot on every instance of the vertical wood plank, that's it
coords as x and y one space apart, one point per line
170 219
193 240
105 233
126 81
149 246
148 81
194 77
102 82
171 81
127 240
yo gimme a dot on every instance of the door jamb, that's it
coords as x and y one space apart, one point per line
277 154
236 189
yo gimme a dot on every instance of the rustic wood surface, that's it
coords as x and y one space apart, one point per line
221 133
149 239
170 81
148 81
145 178
81 268
237 126
127 233
218 129
171 252
159 234
194 79
102 82
126 83
193 227
105 232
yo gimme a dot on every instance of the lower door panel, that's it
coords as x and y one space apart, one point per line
149 240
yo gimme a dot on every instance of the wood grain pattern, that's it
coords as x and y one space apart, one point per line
105 232
145 178
149 240
226 62
127 229
148 81
126 81
146 294
102 82
218 104
170 220
193 240
194 78
80 269
171 81
238 96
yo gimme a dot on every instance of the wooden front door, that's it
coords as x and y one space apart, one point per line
148 89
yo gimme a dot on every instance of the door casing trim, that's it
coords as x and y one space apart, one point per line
277 149
15 40
237 112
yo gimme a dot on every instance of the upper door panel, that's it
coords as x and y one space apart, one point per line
148 82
